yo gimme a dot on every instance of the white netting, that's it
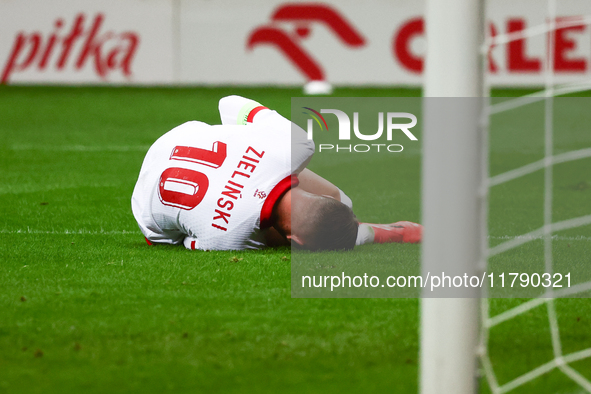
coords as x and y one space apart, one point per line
560 361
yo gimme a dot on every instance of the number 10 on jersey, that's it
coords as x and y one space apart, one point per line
184 188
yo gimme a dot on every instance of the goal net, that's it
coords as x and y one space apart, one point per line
534 161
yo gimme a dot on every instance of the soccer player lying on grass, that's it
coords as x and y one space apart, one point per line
243 185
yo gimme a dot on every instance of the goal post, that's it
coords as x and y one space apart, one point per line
452 193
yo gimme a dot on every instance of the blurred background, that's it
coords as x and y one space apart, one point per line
86 87
268 43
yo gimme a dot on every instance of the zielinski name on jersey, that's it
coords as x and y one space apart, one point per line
235 185
185 188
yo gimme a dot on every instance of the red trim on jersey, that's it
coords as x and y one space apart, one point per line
148 241
278 191
253 112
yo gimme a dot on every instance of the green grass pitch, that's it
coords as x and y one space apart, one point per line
87 306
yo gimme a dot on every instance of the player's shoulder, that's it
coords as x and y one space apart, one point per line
190 125
186 128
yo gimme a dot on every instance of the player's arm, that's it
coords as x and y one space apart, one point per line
242 111
315 184
401 232
237 110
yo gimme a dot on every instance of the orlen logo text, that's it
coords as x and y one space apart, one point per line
396 122
83 42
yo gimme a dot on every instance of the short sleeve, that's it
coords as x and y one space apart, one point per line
240 110
235 110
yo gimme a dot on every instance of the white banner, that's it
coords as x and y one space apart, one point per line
85 41
266 42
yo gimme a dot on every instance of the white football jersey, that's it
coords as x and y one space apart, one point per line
214 187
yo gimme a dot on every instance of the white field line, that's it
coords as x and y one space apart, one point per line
109 232
69 232
533 238
82 148
29 188
32 188
558 226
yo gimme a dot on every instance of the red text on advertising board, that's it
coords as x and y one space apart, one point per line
518 58
106 51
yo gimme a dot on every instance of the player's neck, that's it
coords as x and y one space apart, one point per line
282 214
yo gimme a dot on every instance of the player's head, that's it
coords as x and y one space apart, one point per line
321 223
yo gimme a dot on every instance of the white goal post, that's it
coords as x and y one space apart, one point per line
453 197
